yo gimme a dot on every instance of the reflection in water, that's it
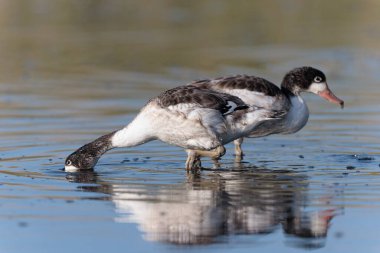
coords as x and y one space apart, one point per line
205 207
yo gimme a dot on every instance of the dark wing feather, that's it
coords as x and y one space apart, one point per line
204 98
251 83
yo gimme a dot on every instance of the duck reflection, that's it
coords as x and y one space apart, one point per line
208 206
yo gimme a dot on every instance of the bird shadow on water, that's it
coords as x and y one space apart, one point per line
213 206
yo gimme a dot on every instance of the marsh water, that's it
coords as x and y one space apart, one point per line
71 71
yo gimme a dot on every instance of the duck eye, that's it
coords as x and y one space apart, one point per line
317 79
68 162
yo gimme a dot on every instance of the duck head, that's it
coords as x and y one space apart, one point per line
87 156
308 79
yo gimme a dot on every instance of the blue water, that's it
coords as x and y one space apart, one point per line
72 71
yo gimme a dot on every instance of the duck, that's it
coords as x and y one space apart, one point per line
204 115
200 120
285 101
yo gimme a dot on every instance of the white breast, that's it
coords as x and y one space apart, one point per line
297 116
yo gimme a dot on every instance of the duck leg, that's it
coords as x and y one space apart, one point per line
238 151
214 154
193 158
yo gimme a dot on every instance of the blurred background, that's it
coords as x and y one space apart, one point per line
41 38
71 70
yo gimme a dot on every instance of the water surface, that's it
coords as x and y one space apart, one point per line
72 71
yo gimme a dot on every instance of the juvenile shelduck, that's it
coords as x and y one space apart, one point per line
292 111
205 115
196 119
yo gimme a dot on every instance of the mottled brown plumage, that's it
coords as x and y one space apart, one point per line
202 97
251 83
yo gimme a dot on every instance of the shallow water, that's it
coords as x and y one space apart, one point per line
74 70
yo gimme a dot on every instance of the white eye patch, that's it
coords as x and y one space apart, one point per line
71 168
317 87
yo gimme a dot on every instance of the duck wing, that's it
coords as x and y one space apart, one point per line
190 97
240 82
254 91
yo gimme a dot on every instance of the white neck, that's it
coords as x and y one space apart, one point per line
136 133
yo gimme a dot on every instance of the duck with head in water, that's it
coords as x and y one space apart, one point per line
205 115
196 119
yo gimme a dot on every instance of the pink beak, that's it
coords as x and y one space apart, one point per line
329 96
